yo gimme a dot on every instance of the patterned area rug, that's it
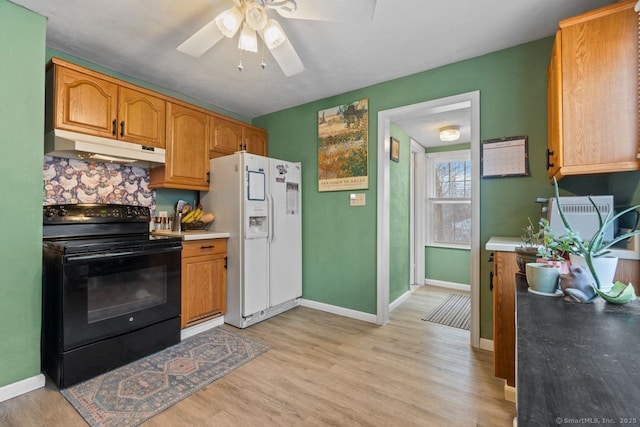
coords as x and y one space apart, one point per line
454 311
132 394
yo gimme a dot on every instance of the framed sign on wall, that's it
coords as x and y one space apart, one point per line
343 143
504 157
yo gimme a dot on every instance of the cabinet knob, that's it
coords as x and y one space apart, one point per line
207 247
549 154
122 128
113 127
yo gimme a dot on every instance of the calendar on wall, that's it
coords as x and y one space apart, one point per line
505 157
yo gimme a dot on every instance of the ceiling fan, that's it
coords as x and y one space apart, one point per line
252 16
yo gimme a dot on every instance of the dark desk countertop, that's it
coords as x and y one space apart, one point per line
577 364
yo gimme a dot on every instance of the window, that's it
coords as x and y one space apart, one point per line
448 199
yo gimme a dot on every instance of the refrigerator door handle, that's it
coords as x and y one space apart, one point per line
272 214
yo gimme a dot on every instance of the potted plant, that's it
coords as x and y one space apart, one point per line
594 252
554 249
527 252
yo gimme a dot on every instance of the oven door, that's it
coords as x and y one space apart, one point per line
111 293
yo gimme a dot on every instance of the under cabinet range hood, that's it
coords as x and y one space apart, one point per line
74 145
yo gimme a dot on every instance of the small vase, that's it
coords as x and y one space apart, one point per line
605 267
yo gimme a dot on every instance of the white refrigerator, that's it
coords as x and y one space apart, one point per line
258 200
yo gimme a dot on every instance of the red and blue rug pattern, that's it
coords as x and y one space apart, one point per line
133 393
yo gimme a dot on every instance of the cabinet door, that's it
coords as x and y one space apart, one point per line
504 320
227 137
85 103
255 140
141 118
599 90
187 161
203 288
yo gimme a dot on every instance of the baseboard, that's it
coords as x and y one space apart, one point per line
201 327
341 311
10 391
450 285
486 344
402 298
509 393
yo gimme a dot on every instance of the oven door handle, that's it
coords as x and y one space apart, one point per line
72 258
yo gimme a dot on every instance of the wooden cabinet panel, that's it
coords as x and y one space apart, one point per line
554 99
255 140
204 280
141 118
204 247
595 107
504 320
226 138
85 103
187 160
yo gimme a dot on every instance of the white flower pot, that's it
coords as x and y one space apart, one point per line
605 267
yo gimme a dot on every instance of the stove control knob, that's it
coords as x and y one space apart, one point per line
49 212
62 212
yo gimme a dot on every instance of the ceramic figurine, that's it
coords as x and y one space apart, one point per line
576 285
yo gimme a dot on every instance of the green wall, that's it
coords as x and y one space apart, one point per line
399 219
447 264
22 49
339 263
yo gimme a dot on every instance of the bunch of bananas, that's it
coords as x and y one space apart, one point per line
193 215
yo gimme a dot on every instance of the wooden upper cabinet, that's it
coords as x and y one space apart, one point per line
142 118
88 104
226 138
593 93
187 163
85 103
254 140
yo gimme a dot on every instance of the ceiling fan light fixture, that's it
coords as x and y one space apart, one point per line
229 21
273 34
450 133
248 40
255 16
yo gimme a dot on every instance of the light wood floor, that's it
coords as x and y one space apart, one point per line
325 369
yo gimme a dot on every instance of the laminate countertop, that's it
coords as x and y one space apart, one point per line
577 364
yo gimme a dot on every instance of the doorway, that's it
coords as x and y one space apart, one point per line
385 118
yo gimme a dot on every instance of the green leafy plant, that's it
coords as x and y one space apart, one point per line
596 247
553 247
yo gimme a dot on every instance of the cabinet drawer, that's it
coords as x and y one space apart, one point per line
204 247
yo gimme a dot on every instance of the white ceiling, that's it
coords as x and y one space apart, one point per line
139 37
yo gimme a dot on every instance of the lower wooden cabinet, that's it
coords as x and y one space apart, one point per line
504 316
204 280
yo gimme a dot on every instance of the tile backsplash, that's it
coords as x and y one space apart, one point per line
77 181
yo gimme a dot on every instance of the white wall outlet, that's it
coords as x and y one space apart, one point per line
357 199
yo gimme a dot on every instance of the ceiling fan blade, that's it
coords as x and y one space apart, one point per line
352 11
286 57
203 40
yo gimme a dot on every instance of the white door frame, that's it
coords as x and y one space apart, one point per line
416 213
385 117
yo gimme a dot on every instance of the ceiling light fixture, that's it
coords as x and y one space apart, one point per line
450 133
251 14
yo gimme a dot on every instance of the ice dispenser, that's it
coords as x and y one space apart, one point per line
258 222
